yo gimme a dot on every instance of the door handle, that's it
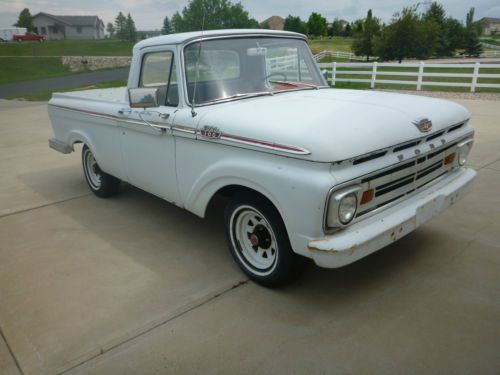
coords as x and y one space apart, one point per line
124 111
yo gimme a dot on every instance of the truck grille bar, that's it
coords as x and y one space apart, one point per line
403 179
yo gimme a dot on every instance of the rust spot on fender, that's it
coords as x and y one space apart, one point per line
314 248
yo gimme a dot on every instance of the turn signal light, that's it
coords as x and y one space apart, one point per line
449 159
367 196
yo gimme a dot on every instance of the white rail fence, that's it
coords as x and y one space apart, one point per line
339 55
377 76
491 53
489 45
351 56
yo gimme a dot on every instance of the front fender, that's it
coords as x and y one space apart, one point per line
297 188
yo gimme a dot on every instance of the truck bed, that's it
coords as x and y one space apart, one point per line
112 95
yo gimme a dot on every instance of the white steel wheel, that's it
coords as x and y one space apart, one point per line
91 169
258 240
254 239
102 184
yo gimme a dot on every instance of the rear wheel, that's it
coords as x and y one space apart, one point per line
258 241
102 184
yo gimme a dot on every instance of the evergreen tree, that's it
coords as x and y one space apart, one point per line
348 30
167 28
120 22
295 24
398 40
364 42
216 14
25 20
110 29
130 30
471 38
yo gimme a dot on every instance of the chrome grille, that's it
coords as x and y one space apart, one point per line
395 182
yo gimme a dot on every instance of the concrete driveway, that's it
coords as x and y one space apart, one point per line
134 285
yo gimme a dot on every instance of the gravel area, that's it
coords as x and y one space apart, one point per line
451 95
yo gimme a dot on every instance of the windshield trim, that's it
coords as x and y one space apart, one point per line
239 36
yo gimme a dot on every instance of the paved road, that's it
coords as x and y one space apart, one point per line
134 285
8 90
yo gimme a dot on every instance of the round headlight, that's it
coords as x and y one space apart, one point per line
463 153
347 208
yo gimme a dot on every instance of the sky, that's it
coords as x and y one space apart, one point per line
149 14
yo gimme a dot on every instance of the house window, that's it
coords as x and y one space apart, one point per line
79 29
53 29
44 30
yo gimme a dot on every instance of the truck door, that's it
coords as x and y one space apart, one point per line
149 151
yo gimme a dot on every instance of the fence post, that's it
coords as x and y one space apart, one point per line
334 72
374 75
474 77
420 76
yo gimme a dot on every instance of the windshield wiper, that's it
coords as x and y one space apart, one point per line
242 95
298 84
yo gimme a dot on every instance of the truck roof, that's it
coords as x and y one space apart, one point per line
186 37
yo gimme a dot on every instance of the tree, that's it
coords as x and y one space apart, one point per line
471 36
212 14
364 42
167 28
316 25
25 20
120 22
295 24
348 30
398 40
110 29
434 28
130 32
337 28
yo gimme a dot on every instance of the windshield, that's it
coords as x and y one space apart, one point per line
220 69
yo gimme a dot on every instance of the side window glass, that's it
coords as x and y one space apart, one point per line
158 70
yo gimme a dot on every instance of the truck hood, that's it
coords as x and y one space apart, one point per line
332 124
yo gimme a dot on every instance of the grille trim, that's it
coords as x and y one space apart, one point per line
423 170
405 145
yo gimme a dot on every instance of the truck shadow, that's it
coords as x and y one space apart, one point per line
151 231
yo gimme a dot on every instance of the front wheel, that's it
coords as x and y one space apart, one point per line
102 184
258 241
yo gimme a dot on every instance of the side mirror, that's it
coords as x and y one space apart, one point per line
143 97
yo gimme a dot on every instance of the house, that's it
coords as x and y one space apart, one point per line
68 27
490 25
274 23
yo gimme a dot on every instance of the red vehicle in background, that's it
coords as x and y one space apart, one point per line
27 37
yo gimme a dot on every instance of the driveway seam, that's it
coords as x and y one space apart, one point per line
160 324
43 205
11 352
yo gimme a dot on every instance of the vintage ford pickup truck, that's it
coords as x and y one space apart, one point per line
308 171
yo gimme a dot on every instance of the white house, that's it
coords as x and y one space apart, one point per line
490 25
68 27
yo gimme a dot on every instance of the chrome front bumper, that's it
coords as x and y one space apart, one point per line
382 229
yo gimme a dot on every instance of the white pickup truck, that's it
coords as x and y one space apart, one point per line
309 171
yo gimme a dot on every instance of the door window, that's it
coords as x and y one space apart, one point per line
159 70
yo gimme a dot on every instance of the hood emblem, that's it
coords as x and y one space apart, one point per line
423 124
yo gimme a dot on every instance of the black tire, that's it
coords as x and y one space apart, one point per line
261 248
102 184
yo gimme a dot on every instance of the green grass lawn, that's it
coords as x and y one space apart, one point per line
333 44
15 69
46 95
111 47
103 47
